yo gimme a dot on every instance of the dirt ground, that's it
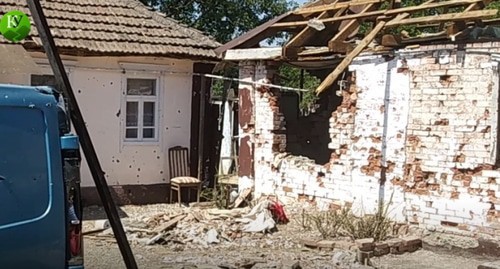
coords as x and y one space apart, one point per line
281 249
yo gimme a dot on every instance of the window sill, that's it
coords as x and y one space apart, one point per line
141 143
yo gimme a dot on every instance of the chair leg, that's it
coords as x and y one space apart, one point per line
198 194
179 195
171 194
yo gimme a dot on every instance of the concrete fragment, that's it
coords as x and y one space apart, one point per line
345 245
212 236
343 258
101 224
490 265
326 244
309 243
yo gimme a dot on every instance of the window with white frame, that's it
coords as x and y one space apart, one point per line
141 119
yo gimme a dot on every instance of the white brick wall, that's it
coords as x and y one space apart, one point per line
441 141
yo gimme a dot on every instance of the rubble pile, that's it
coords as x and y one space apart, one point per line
193 227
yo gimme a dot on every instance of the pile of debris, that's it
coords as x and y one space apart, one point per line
198 228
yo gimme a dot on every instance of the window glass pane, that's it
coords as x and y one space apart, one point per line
148 133
132 113
141 86
149 114
131 133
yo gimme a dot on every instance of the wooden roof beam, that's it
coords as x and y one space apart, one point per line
374 14
291 49
428 5
471 15
335 6
332 77
347 29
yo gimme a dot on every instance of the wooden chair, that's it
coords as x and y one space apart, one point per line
178 162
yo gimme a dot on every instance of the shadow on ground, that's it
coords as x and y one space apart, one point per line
98 213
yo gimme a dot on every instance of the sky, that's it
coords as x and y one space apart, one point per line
301 2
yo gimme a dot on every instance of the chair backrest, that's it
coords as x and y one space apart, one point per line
178 161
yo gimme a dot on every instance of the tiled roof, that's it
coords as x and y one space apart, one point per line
114 27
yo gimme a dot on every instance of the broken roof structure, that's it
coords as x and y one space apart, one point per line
115 28
334 32
407 115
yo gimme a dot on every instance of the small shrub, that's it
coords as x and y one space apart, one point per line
376 226
327 223
304 220
343 222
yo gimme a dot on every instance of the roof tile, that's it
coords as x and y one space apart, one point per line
116 27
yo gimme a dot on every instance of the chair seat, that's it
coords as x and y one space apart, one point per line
185 180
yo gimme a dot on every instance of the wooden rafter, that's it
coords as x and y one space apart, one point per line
446 17
291 49
374 14
334 6
332 77
347 29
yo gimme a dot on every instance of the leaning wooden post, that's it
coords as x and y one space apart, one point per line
330 79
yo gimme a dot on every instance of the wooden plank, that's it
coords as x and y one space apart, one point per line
301 38
169 224
252 54
446 17
346 30
334 6
374 14
431 5
330 79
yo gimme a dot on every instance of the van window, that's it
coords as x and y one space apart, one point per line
24 167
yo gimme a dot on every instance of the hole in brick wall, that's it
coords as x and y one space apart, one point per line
308 131
449 223
444 78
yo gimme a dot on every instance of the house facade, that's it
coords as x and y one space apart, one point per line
133 76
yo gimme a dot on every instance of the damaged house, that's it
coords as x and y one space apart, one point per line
132 72
406 119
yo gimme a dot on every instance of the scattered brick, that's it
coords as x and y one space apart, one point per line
366 244
326 244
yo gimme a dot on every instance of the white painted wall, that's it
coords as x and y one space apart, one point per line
99 85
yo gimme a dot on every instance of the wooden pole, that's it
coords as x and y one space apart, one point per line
201 130
79 123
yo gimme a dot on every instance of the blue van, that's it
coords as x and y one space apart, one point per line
40 204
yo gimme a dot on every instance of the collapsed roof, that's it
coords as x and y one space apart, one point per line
336 31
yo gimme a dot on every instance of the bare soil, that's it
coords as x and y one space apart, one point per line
281 249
